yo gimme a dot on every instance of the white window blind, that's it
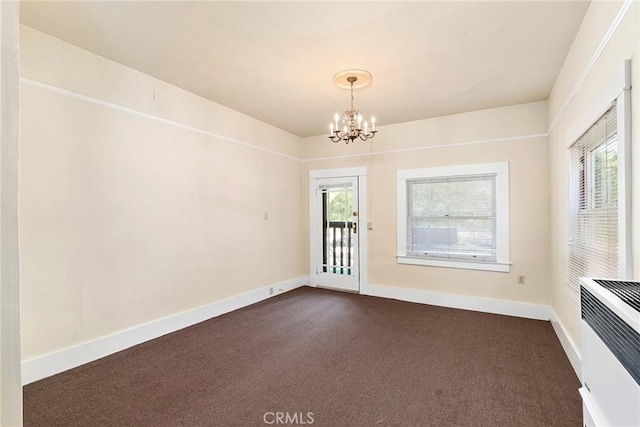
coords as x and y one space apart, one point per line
593 202
452 218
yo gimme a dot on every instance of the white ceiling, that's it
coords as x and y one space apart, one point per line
275 60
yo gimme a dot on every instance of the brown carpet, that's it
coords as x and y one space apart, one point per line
350 360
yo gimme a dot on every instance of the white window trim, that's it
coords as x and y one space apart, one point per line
625 251
501 169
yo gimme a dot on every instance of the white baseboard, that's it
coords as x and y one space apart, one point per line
486 305
570 348
71 357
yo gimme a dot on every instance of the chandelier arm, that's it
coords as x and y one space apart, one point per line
336 137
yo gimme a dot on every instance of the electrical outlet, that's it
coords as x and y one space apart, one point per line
275 290
520 280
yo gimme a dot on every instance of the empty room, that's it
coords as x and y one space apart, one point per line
234 213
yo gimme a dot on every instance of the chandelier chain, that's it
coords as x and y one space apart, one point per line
352 97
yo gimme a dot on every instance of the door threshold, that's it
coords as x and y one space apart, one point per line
331 288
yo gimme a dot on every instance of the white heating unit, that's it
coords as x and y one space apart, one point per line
610 329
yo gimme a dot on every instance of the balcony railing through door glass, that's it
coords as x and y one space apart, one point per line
339 229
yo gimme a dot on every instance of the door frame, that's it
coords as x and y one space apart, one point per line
314 217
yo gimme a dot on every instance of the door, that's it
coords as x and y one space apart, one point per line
335 233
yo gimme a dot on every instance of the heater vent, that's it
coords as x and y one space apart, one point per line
619 337
629 292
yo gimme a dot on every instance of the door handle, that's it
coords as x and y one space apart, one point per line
355 223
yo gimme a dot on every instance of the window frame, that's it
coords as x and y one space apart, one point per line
501 171
576 259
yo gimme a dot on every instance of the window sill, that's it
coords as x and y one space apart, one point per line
484 266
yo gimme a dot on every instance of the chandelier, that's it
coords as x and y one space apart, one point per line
352 125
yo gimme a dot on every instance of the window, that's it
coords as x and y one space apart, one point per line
597 230
455 216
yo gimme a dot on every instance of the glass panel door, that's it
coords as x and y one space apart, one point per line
337 198
338 229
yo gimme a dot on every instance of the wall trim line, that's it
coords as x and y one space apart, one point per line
434 147
59 361
464 302
130 110
569 346
596 55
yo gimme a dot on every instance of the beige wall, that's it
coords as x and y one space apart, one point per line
515 134
574 105
135 209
